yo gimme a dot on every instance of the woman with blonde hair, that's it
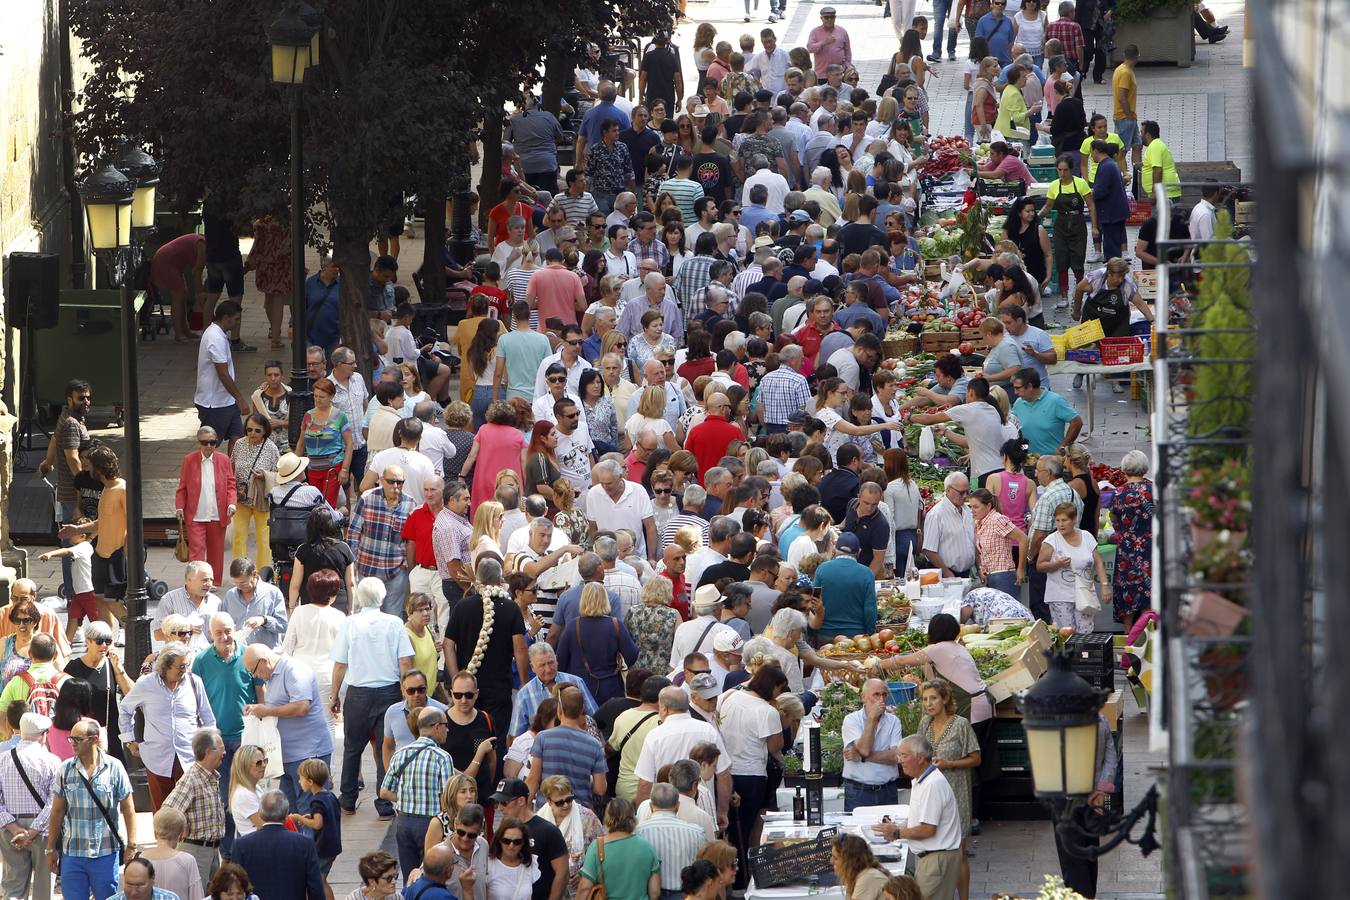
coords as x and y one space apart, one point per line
650 414
888 110
653 624
722 855
595 645
459 791
412 387
984 99
609 288
579 826
615 342
816 523
1079 464
248 768
486 534
175 870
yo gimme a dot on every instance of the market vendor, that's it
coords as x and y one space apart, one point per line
1107 295
1004 166
949 659
950 386
1098 131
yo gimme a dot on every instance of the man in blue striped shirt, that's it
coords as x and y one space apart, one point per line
675 841
569 751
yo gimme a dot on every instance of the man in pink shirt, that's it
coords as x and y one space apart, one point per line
556 291
829 44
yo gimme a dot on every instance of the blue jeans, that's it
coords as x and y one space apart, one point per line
857 794
604 200
290 778
941 10
227 842
1005 582
395 592
904 540
68 508
81 877
969 125
363 716
410 834
482 397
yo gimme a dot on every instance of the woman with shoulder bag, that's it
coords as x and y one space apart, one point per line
620 865
255 461
1069 558
596 647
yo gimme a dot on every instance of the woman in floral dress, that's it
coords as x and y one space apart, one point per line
1132 519
653 625
270 258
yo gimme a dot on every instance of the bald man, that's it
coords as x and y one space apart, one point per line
871 746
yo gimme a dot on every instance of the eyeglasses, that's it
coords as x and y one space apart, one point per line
563 801
103 641
389 878
209 443
415 690
445 724
557 379
662 491
394 481
24 620
254 670
463 695
80 740
467 834
513 842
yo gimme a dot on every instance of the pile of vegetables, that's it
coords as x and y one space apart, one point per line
941 243
941 324
989 662
945 156
1102 472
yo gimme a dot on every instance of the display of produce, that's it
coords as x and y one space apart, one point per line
946 155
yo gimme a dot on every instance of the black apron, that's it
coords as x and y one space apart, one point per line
1110 307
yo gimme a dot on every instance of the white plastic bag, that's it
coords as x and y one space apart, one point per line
264 733
927 444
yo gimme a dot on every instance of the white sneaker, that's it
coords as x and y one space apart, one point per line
1078 382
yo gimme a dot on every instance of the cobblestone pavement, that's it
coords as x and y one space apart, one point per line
1193 107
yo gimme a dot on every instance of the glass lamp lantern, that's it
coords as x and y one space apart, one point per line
108 199
1060 715
143 171
314 20
291 37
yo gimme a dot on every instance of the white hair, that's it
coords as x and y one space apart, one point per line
1136 463
606 312
369 592
735 340
954 478
796 283
919 745
95 630
786 621
654 280
610 466
821 176
197 567
541 650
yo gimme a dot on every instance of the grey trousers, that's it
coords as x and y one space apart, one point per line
25 866
208 859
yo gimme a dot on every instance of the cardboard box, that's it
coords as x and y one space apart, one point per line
1114 709
1010 681
1040 633
1030 655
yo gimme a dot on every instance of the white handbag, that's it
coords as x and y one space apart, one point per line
1085 593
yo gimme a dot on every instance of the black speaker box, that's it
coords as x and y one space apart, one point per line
34 293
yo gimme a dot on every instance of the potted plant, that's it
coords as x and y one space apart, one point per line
1219 501
1161 29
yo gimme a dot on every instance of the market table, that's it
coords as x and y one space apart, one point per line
1091 370
894 855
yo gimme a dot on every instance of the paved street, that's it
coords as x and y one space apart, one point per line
1192 105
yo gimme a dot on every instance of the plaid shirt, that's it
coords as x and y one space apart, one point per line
655 251
1052 495
781 393
690 286
991 543
84 831
450 539
197 797
15 799
417 773
1070 36
376 533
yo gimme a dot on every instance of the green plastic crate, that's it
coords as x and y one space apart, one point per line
1043 173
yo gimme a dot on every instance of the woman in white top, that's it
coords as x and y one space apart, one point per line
313 628
906 505
982 421
650 413
512 869
815 523
1068 558
1029 30
752 729
834 395
248 768
610 285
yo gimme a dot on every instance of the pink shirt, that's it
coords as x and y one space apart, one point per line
839 52
499 448
952 661
556 291
1013 169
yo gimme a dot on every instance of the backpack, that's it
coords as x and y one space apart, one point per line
42 694
289 524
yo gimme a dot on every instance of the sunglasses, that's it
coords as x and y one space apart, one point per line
103 641
513 842
571 415
254 430
557 379
394 481
463 695
467 834
184 633
389 878
24 620
563 801
209 443
261 761
574 342
662 491
698 671
415 690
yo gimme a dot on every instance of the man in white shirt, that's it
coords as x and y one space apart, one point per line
1204 215
672 740
416 467
435 443
860 356
625 207
569 356
949 529
619 260
720 532
575 452
536 507
871 750
933 829
555 389
699 633
351 398
221 405
775 183
771 64
614 503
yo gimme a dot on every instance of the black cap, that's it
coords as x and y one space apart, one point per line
509 789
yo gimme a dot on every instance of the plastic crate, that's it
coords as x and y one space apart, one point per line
1121 351
1084 355
1093 657
901 692
1061 344
1089 332
1043 173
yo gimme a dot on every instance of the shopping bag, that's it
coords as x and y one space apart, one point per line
264 733
1085 593
927 445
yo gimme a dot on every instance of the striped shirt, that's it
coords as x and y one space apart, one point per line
417 773
681 520
84 831
627 587
576 208
376 533
1052 495
197 797
676 843
951 532
573 753
685 192
690 286
741 283
15 799
782 392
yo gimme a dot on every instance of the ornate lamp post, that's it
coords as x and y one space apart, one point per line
294 37
119 202
1060 714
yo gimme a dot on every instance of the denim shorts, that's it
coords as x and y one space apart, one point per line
1128 129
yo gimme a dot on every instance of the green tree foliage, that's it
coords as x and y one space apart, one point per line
1222 404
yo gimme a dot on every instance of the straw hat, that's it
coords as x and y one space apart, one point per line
290 466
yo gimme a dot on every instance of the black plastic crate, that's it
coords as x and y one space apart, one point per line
1093 656
1105 681
1009 787
1008 733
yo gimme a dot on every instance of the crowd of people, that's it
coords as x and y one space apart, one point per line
573 603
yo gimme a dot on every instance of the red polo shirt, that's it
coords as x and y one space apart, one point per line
417 528
680 591
809 336
709 439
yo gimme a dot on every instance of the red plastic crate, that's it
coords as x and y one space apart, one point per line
1121 351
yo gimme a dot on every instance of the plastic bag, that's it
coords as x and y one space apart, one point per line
927 444
264 733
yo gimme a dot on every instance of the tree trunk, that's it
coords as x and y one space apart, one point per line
556 71
352 255
433 251
490 184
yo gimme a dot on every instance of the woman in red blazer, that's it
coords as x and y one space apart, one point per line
203 519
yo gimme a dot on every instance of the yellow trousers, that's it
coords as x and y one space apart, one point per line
239 545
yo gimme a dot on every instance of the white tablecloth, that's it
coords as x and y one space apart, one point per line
894 855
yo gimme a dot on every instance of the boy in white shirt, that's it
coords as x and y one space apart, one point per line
84 602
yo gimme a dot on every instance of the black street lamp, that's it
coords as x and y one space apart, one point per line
294 37
1060 714
119 202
